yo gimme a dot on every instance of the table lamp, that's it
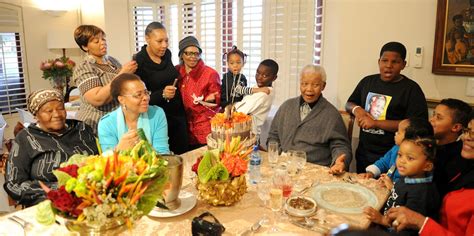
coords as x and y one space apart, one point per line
61 39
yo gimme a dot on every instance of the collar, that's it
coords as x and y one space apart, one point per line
311 105
422 180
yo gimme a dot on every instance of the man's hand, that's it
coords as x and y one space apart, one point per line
339 166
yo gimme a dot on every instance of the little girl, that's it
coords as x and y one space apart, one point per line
414 189
234 84
386 164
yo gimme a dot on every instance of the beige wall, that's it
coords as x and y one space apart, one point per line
354 32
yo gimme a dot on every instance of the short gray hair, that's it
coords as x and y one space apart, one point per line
317 69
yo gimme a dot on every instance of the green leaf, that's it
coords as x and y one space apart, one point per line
151 196
62 177
204 167
75 159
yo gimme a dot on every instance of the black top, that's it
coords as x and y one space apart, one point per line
227 84
36 153
449 166
156 78
403 99
420 197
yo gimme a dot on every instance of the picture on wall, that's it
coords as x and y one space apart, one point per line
454 38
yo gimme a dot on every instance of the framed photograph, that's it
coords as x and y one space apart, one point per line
454 38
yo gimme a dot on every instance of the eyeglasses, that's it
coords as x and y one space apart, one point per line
138 95
195 54
314 86
468 133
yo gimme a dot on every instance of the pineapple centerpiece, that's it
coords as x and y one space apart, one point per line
221 173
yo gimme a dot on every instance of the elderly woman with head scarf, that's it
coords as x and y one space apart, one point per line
94 74
40 148
200 89
118 129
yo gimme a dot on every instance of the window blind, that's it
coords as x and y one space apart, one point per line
12 65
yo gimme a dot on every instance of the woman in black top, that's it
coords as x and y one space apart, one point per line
156 69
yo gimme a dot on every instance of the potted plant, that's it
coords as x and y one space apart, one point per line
57 71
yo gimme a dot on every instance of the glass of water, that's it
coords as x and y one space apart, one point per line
263 192
273 153
300 158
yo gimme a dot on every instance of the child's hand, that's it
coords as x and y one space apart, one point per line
375 216
367 175
366 121
261 89
211 97
386 181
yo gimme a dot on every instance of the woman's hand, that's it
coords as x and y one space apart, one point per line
128 140
211 97
169 92
404 218
129 67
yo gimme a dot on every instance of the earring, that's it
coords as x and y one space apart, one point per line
125 107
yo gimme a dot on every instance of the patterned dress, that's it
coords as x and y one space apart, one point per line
36 153
89 75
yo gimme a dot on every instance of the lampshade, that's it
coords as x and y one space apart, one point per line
61 39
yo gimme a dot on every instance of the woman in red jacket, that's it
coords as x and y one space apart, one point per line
200 90
457 211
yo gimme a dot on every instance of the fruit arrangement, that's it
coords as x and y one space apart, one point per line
93 189
221 173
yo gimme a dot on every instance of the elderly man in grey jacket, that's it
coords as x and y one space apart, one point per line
311 124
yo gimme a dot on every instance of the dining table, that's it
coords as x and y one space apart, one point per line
237 218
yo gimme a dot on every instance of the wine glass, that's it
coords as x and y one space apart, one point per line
292 165
263 192
276 204
273 153
300 158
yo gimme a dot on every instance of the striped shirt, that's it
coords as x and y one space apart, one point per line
89 75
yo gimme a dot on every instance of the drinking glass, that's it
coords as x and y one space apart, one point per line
273 153
300 158
276 204
263 191
292 165
283 181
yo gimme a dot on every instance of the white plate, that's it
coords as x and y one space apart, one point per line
366 194
188 201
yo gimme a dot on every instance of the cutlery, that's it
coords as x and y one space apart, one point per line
255 227
391 170
307 226
314 183
23 223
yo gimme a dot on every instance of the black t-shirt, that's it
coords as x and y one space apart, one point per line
156 78
387 101
228 83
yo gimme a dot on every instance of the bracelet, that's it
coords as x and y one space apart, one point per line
353 109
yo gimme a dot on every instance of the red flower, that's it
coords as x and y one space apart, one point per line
196 165
65 201
70 170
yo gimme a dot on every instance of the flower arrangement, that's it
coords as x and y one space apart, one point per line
94 189
221 173
55 68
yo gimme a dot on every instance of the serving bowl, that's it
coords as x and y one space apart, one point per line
300 206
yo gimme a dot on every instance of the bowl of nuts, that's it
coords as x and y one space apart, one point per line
300 206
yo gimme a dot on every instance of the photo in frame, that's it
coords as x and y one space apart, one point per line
454 38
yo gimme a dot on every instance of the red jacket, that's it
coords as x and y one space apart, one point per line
201 81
